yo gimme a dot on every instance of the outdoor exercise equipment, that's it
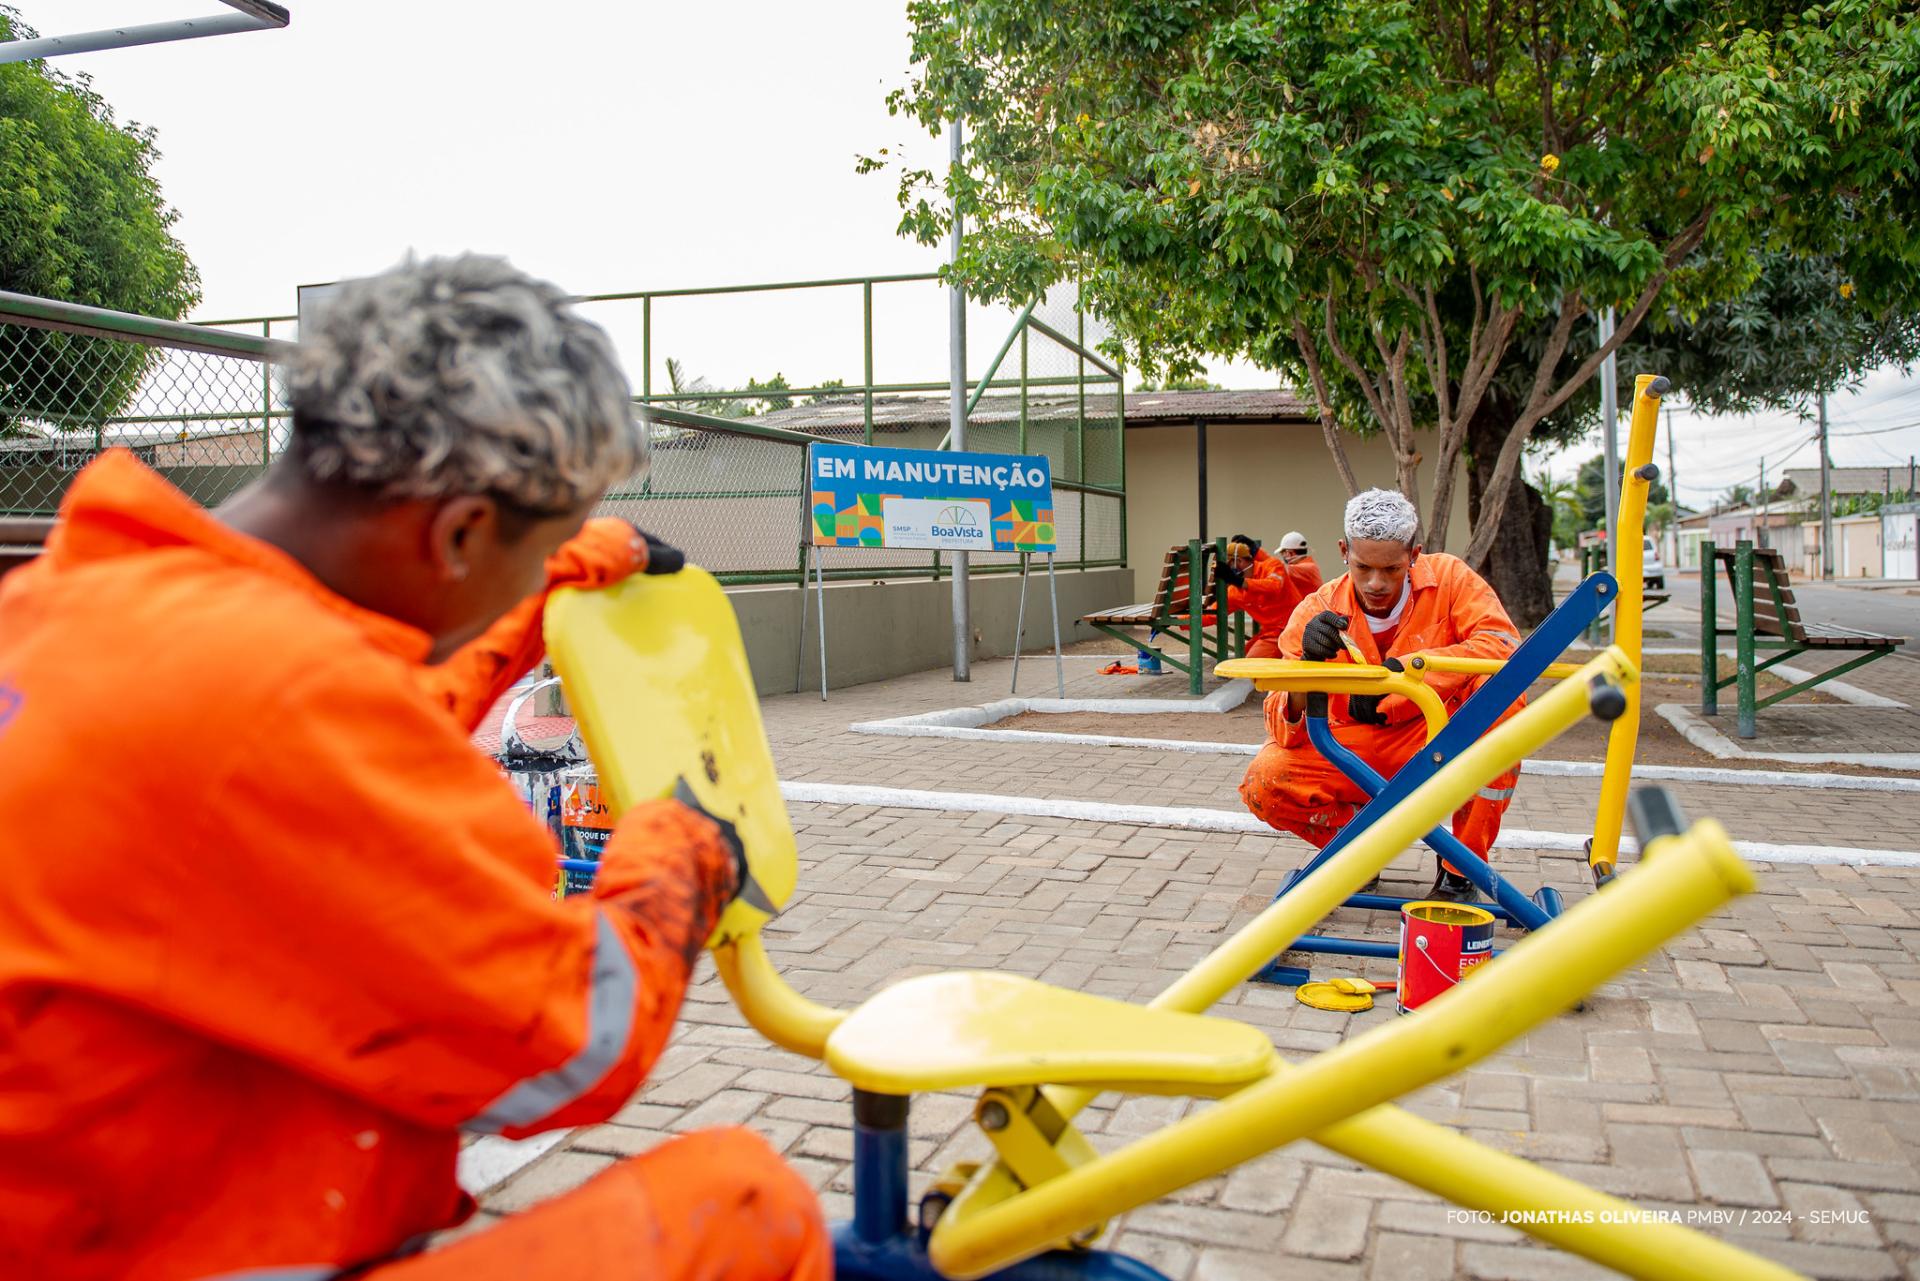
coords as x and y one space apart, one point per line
1448 737
658 679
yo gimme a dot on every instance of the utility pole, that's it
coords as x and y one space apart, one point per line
957 392
1673 495
1609 419
1826 496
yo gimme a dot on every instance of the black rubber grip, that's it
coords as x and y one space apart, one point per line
1317 704
1654 814
1659 387
1606 700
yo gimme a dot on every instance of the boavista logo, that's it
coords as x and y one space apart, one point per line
957 521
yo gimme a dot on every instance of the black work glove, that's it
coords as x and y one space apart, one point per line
1320 641
662 558
1364 709
1227 574
744 886
1248 539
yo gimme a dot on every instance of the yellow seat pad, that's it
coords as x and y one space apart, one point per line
970 1028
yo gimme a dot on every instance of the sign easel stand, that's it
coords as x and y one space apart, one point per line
1020 625
813 559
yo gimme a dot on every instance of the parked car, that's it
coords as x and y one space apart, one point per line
1652 572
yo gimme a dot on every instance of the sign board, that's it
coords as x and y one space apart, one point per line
868 496
311 299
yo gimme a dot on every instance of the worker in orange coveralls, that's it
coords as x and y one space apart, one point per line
302 934
1391 601
1268 588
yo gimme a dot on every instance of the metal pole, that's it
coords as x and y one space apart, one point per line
1760 525
866 328
957 391
1826 496
1019 625
1200 463
820 613
800 655
1673 494
1053 603
1609 423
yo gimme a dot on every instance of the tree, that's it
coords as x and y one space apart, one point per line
82 220
1416 208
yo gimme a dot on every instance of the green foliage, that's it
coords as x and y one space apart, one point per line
1590 495
82 220
1407 204
1192 383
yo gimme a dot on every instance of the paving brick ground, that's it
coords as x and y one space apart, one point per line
1769 1061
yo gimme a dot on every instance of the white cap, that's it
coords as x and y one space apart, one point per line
1293 541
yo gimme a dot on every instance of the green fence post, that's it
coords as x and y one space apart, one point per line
1023 390
1743 638
1196 605
866 328
1709 632
1220 604
266 401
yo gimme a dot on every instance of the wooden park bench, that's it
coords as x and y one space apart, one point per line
21 539
1766 617
1170 611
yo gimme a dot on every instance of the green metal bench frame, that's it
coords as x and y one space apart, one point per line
1170 611
1771 624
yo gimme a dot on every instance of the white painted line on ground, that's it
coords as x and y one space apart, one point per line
1839 689
490 1160
1208 820
915 727
1695 730
1224 699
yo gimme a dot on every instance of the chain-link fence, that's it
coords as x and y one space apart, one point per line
202 407
205 407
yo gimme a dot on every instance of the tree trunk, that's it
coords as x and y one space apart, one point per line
1517 564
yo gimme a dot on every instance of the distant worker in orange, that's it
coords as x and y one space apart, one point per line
305 935
1268 588
1392 601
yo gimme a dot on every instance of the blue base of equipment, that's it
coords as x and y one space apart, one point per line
880 1244
1475 717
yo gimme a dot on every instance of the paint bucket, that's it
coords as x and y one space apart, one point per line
1440 944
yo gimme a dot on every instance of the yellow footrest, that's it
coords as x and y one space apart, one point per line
967 1028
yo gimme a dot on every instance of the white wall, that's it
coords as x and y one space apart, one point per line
1261 480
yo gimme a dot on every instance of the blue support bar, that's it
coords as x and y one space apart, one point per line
880 1244
1517 906
1474 718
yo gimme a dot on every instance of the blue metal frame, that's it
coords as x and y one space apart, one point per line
880 1243
1476 716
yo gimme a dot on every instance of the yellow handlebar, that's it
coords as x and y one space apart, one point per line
1298 676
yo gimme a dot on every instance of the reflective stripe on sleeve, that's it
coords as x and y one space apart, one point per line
610 1000
1513 642
1495 793
297 1272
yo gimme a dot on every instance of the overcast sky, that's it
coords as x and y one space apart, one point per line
620 146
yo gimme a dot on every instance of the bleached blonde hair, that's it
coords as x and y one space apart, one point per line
1382 515
460 376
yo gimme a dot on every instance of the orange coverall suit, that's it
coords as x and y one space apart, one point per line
1450 610
1274 589
274 933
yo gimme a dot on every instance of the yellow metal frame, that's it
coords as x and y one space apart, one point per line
1339 1098
702 721
1295 676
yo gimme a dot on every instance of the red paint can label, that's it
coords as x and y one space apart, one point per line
1440 945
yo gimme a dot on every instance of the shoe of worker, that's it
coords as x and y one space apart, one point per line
1452 887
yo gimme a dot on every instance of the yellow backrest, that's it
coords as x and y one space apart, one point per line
657 677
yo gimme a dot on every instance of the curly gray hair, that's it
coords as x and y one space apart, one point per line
462 376
1382 515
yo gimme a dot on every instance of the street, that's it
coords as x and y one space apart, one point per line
1891 611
